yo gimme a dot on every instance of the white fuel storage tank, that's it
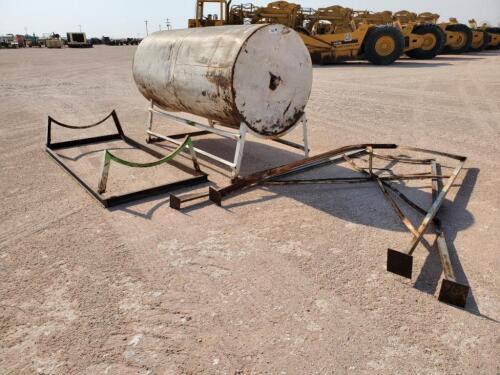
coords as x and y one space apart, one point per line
260 75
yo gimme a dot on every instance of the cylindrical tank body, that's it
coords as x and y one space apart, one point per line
260 75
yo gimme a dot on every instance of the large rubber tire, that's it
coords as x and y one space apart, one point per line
464 29
374 35
493 30
425 54
303 30
486 41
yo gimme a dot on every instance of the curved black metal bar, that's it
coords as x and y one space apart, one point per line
51 120
110 137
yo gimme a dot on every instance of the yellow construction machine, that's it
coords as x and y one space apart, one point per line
218 19
281 12
480 38
458 36
242 14
430 38
226 14
492 36
422 41
329 33
332 36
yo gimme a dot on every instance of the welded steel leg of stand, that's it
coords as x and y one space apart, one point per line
305 136
103 181
401 263
238 156
150 121
451 291
192 151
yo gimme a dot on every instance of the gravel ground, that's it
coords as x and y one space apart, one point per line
282 280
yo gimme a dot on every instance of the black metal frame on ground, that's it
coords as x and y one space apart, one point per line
398 262
198 177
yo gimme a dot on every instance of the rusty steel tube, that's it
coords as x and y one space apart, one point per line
260 75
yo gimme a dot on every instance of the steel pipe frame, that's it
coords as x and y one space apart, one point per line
240 137
401 263
398 262
51 148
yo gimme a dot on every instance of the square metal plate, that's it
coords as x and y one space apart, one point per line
399 263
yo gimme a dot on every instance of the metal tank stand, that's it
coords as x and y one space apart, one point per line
196 176
239 137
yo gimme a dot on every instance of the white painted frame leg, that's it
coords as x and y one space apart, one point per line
150 121
238 155
305 136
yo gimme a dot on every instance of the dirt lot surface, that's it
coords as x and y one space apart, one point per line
281 280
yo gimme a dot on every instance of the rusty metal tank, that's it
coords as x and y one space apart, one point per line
260 75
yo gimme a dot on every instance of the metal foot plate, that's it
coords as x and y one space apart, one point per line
453 293
399 263
215 196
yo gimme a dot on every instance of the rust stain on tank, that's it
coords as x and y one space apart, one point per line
219 79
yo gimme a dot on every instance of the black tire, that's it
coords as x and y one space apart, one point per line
425 54
303 30
486 41
464 29
373 35
493 30
316 58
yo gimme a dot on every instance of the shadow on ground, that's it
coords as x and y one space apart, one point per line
404 63
441 60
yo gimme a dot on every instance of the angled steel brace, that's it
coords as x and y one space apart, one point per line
217 195
451 291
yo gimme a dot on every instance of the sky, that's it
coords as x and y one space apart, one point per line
125 18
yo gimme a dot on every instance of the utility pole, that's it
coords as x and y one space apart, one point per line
159 26
147 31
80 26
169 25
